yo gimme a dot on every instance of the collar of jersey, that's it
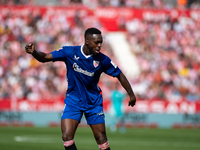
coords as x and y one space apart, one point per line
86 56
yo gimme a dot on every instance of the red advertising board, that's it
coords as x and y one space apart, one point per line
5 105
160 106
142 106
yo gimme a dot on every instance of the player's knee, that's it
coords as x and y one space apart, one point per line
66 137
101 138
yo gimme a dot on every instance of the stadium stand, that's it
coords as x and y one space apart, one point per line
167 52
122 51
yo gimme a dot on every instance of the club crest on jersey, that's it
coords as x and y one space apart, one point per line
95 63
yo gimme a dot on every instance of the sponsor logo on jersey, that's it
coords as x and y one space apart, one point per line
78 69
95 63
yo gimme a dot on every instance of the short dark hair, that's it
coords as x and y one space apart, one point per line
92 31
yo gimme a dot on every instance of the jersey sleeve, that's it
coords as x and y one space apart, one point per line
110 68
60 54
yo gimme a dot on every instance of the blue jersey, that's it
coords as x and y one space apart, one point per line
83 73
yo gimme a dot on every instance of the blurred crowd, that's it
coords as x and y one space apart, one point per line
161 4
169 56
168 53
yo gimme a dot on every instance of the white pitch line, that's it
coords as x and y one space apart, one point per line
36 139
49 139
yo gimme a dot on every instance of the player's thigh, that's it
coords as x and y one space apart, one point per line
68 127
99 132
70 119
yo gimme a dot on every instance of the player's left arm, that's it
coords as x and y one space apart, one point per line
126 85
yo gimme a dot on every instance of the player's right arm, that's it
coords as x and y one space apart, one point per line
40 56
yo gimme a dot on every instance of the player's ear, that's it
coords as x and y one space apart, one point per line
86 42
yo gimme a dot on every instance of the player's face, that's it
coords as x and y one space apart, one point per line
94 43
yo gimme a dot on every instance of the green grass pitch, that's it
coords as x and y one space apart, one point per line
49 138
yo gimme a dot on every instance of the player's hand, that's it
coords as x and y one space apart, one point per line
30 48
132 101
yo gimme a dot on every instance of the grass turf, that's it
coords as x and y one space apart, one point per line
46 138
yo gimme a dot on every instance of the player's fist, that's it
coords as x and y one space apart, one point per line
30 48
132 101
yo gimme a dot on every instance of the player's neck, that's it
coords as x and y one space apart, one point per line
86 51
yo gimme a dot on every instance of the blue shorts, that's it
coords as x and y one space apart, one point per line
93 115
